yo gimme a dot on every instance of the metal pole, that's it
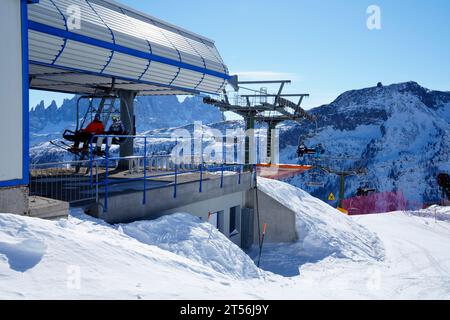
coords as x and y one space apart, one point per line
175 181
249 127
201 177
341 190
106 174
91 157
96 182
240 170
221 177
261 244
144 200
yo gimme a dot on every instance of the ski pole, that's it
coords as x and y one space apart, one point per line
262 242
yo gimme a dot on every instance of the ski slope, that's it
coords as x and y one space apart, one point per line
401 255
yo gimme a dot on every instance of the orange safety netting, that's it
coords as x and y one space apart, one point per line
280 171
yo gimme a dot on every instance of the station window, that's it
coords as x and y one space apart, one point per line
216 219
235 220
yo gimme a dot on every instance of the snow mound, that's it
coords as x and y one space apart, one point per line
322 230
85 258
187 236
436 212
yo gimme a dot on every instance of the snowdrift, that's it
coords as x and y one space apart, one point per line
185 235
84 258
323 231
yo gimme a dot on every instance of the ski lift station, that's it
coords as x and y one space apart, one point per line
108 54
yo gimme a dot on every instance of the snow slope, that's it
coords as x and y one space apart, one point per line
396 255
41 259
323 231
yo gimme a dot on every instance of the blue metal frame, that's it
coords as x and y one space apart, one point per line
112 35
25 102
119 48
144 200
65 40
163 86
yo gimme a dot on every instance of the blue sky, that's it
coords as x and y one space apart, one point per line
323 46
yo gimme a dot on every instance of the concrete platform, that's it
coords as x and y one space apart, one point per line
46 208
14 200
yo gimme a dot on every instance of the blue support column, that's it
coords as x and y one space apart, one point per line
240 173
144 200
221 176
175 181
91 158
201 178
106 174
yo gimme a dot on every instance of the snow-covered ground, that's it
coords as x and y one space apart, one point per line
395 255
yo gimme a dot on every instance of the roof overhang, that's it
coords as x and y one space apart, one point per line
93 46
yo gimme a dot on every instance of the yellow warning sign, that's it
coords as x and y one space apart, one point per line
331 197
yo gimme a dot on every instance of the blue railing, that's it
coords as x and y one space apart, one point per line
173 166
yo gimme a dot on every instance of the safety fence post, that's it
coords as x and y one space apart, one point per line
144 200
96 182
201 178
175 181
91 158
221 176
106 174
240 172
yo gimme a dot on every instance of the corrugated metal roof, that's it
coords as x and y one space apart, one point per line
115 41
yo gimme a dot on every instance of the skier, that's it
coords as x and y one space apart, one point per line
301 150
319 150
116 129
96 127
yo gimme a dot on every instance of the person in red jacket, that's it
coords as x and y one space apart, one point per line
96 127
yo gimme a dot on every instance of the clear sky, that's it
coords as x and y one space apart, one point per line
324 46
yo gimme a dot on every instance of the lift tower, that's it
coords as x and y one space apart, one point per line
260 106
342 174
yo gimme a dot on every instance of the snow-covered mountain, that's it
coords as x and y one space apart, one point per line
399 133
48 123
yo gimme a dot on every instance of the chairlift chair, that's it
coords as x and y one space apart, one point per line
106 109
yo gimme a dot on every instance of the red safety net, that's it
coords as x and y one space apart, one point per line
376 203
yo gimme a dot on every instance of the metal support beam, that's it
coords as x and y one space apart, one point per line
128 120
271 141
275 95
341 189
250 136
264 82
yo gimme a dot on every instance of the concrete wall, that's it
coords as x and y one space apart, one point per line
11 104
128 207
280 220
14 200
281 223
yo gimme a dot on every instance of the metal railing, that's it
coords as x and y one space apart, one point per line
60 181
97 178
155 172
